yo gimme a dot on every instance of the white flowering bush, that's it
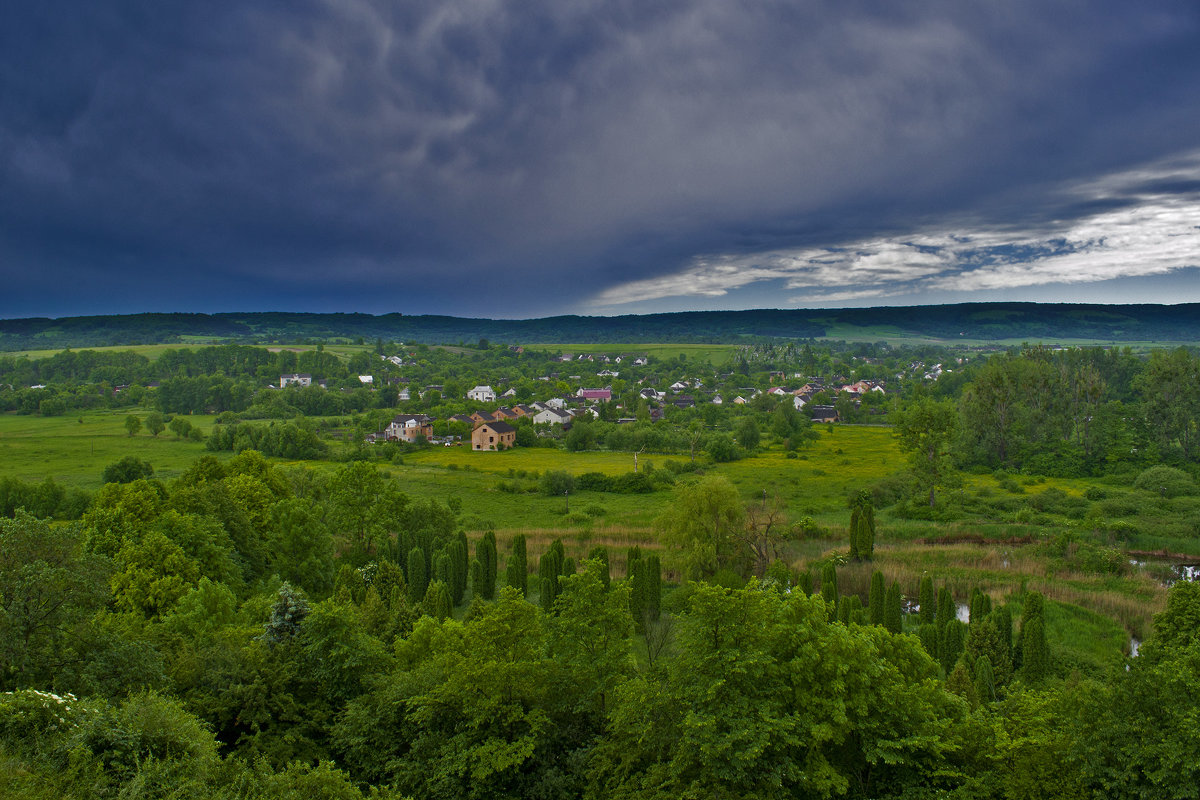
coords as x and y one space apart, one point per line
28 717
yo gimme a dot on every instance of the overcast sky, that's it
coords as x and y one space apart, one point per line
539 157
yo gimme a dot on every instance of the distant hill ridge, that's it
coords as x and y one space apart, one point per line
1034 321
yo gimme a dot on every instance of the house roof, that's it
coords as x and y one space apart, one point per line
498 427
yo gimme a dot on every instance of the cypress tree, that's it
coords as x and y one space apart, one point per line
945 607
1034 656
855 514
477 581
457 551
959 681
436 602
485 554
843 609
862 528
985 683
638 591
418 578
568 567
517 572
893 616
829 589
547 580
857 616
653 585
928 634
981 606
559 554
925 598
631 555
462 566
876 598
805 582
442 569
951 645
600 553
1002 616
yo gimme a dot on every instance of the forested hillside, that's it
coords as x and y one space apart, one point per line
974 321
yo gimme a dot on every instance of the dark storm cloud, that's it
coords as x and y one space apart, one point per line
378 155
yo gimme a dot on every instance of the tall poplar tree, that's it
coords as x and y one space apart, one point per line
516 573
418 578
893 615
925 597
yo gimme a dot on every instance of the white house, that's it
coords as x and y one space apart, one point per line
293 379
482 394
550 416
366 380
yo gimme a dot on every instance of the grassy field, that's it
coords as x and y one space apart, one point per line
153 351
75 449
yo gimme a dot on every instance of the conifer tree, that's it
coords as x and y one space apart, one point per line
855 513
843 609
985 683
485 554
862 527
457 550
477 581
928 634
638 591
436 602
959 682
1034 656
945 607
442 569
951 645
418 578
568 567
925 597
516 573
876 598
547 580
893 614
653 586
1002 616
805 582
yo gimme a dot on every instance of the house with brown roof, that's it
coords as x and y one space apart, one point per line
493 436
480 417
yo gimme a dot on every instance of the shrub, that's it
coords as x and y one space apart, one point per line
127 470
1166 482
556 482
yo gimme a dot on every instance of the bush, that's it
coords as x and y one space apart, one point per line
556 482
1166 482
127 470
593 482
632 483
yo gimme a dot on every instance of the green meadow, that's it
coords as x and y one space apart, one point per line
73 450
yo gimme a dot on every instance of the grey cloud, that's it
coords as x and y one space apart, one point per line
569 148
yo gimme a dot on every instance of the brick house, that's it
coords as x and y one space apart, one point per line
493 436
